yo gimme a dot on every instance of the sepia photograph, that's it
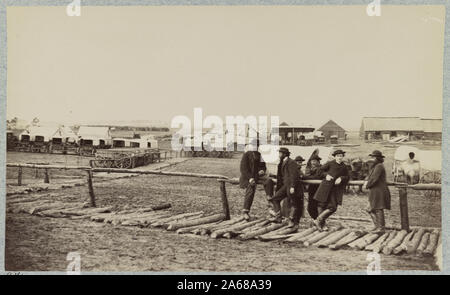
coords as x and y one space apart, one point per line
223 139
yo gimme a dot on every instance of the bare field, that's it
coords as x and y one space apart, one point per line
36 243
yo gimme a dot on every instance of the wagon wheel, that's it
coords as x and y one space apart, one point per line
201 154
124 163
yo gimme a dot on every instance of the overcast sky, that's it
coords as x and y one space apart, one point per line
305 64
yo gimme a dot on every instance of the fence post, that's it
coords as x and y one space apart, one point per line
403 198
19 177
46 177
223 195
91 189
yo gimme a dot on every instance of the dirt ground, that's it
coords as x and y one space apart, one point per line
37 243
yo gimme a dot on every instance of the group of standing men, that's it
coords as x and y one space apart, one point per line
323 198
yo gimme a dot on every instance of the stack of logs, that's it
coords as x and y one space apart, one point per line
419 241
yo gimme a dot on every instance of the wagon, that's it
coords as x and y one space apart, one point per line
125 158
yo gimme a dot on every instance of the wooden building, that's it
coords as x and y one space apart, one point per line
330 129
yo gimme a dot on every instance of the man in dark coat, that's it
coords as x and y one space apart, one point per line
332 188
379 194
313 172
290 188
252 169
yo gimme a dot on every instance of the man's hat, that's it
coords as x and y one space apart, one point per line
377 154
299 159
315 157
337 152
284 150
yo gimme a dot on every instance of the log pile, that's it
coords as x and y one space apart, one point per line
421 242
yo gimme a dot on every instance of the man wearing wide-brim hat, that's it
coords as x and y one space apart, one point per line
313 172
331 189
252 169
379 194
288 186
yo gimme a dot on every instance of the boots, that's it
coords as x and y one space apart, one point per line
292 224
379 222
246 215
276 218
320 220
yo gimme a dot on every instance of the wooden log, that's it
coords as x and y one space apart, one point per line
91 189
346 240
25 208
88 211
234 228
163 221
279 233
423 244
56 213
254 227
262 231
46 176
209 229
117 218
318 237
21 200
411 246
432 244
379 248
304 238
332 239
19 176
142 220
403 246
273 237
377 242
403 199
101 217
367 240
37 209
394 243
301 234
162 206
203 220
190 229
353 244
223 195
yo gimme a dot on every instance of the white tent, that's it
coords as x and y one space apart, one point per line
47 133
96 134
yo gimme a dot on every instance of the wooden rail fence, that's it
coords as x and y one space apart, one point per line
402 187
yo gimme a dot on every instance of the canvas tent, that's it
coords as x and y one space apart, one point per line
39 133
98 135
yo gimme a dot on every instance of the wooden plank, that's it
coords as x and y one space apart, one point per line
262 231
394 243
432 244
411 247
301 234
332 239
240 226
346 240
223 196
423 244
379 248
403 199
377 242
403 246
207 219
